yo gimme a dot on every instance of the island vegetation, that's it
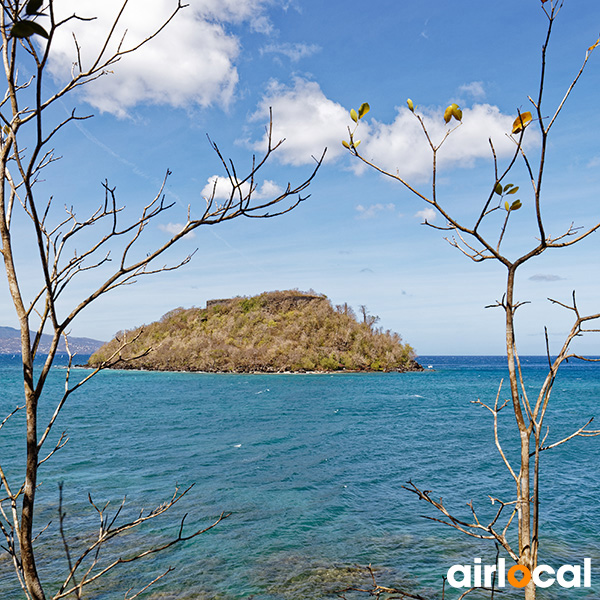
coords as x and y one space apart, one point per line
283 331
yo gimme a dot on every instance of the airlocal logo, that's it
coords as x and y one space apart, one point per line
543 576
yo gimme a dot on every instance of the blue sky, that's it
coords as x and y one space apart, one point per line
358 239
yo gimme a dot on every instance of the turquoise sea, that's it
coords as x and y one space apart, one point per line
311 467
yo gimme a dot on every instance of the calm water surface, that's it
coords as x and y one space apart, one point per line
311 468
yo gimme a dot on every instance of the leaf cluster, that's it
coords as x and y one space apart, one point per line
356 117
26 27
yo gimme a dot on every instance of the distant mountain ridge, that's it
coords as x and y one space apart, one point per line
10 343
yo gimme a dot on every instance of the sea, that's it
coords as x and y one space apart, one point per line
313 469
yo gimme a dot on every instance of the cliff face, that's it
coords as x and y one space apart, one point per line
272 332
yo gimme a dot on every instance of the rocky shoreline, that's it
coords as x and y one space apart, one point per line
414 367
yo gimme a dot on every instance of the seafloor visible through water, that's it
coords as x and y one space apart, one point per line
311 468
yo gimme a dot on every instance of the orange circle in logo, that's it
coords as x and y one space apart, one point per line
514 581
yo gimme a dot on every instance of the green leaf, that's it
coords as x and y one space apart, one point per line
508 186
498 189
345 144
25 29
363 110
516 205
411 106
33 6
354 115
356 144
514 190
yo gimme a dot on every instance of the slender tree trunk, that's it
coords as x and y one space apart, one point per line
30 574
25 533
526 557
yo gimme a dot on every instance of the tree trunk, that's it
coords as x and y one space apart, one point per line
32 580
524 507
526 557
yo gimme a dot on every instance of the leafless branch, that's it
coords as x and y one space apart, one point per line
581 432
109 530
115 356
16 410
61 442
495 412
128 597
474 529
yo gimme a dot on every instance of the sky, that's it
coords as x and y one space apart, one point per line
219 67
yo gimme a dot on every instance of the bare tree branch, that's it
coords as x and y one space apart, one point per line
109 530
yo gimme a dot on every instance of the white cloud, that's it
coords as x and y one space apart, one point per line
191 62
294 52
474 89
371 211
402 145
306 118
267 190
309 121
593 162
427 214
236 11
174 228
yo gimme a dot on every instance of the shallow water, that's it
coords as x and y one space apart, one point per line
311 468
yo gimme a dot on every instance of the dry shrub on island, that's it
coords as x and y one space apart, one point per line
271 332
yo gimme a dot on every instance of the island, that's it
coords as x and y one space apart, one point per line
274 332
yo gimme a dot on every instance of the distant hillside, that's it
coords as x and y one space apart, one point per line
272 332
10 343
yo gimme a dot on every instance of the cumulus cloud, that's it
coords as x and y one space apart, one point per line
427 214
191 62
371 211
221 186
236 11
294 52
474 89
310 121
402 146
306 118
174 228
268 189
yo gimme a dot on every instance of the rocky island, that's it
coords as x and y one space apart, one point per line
274 332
